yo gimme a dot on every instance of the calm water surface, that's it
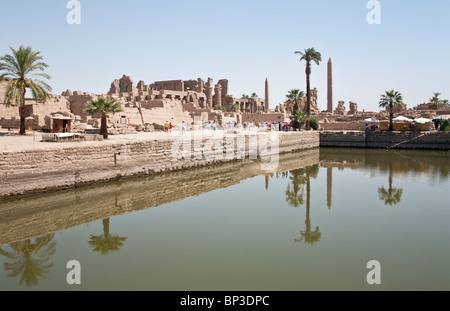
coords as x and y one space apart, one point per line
313 224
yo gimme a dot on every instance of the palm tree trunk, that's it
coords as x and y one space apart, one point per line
391 117
104 127
390 178
22 116
106 227
308 200
308 93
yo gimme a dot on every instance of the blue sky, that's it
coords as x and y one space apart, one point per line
243 41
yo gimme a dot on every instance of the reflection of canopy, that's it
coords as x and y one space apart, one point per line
373 120
422 120
402 118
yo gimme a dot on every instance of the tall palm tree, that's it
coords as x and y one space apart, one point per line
24 69
309 55
435 102
390 196
391 99
295 100
29 259
103 106
254 95
106 242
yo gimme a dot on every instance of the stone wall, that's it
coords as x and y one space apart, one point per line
386 139
35 216
342 139
3 85
59 167
263 117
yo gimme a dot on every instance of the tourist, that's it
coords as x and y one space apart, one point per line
166 126
183 127
367 127
432 128
170 127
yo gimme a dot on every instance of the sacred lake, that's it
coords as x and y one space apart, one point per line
314 223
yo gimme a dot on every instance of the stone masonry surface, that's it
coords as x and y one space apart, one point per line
44 166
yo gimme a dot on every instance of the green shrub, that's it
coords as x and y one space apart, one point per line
298 118
219 107
314 124
445 125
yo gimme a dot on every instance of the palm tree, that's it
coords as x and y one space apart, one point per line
391 99
29 260
309 55
245 96
235 108
254 95
103 106
220 107
436 102
23 69
106 242
295 100
299 118
390 196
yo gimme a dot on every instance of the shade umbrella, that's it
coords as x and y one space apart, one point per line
402 118
372 120
422 120
440 118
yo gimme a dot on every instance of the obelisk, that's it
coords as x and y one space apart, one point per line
330 87
266 99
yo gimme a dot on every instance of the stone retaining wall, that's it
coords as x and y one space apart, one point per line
41 170
385 139
33 216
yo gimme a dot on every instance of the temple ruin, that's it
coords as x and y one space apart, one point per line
146 107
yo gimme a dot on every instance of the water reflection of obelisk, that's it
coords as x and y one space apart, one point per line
329 186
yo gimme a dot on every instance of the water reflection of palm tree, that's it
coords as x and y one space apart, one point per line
390 196
30 260
307 235
295 194
106 242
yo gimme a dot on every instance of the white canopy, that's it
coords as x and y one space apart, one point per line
422 120
373 120
402 118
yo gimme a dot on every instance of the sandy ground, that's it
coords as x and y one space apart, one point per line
32 141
